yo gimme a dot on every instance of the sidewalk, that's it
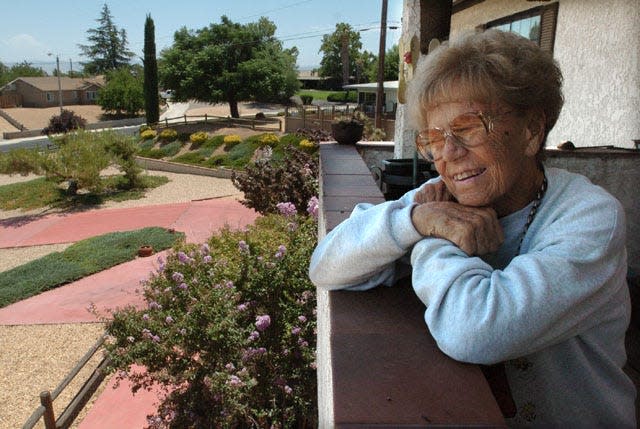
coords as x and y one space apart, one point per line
116 287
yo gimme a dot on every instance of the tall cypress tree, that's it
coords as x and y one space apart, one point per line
151 97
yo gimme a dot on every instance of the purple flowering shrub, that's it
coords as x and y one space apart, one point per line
271 181
228 329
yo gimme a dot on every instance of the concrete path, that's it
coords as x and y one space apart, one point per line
116 287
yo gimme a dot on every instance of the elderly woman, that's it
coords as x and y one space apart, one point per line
516 264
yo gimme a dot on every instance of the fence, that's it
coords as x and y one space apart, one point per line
318 117
266 124
45 410
10 100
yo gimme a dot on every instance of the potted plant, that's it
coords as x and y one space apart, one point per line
348 129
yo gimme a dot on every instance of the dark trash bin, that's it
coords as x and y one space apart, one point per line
397 176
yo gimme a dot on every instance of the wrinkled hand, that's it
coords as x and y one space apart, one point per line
475 230
433 192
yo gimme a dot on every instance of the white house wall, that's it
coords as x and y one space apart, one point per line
597 45
598 48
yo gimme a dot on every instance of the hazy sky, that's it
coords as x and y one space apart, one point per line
31 29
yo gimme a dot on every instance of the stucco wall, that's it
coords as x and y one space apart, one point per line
602 72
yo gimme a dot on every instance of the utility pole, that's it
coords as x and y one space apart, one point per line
345 57
59 84
383 42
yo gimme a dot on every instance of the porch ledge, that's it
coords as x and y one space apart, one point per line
378 366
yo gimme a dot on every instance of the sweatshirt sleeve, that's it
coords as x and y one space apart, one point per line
570 279
361 252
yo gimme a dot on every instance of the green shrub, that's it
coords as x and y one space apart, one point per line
343 97
195 158
232 325
123 151
146 145
290 139
306 99
168 134
144 128
170 149
269 182
148 134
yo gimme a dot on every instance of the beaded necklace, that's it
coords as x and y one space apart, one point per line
534 210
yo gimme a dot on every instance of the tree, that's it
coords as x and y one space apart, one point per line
23 69
391 65
229 62
108 46
151 97
343 39
123 91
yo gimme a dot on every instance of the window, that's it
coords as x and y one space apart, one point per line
526 27
74 95
537 24
50 96
92 95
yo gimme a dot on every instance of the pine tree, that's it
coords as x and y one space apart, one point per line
108 46
151 98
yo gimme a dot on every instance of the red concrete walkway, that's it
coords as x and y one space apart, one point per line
116 287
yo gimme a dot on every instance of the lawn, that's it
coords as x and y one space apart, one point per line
41 192
79 260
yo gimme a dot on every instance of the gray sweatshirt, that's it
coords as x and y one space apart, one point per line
556 314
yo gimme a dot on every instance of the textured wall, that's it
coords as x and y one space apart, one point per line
598 48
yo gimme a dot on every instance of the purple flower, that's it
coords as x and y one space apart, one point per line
204 249
312 207
281 251
155 339
254 336
145 317
168 319
302 319
183 331
230 366
229 284
288 390
183 258
207 259
242 307
296 330
154 305
287 209
263 322
183 286
243 246
177 277
235 381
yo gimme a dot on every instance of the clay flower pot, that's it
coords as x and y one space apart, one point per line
145 251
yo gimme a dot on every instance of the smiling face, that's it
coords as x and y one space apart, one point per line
498 168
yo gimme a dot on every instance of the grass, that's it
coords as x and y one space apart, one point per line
79 260
41 192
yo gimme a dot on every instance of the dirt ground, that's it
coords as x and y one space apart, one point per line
36 118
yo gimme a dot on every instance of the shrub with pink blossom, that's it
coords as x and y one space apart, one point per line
228 330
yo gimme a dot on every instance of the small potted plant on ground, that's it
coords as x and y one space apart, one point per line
348 129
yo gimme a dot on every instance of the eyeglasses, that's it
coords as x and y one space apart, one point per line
466 130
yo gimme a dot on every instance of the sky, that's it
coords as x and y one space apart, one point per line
38 31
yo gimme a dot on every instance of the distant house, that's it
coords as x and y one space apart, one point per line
44 91
310 79
367 96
